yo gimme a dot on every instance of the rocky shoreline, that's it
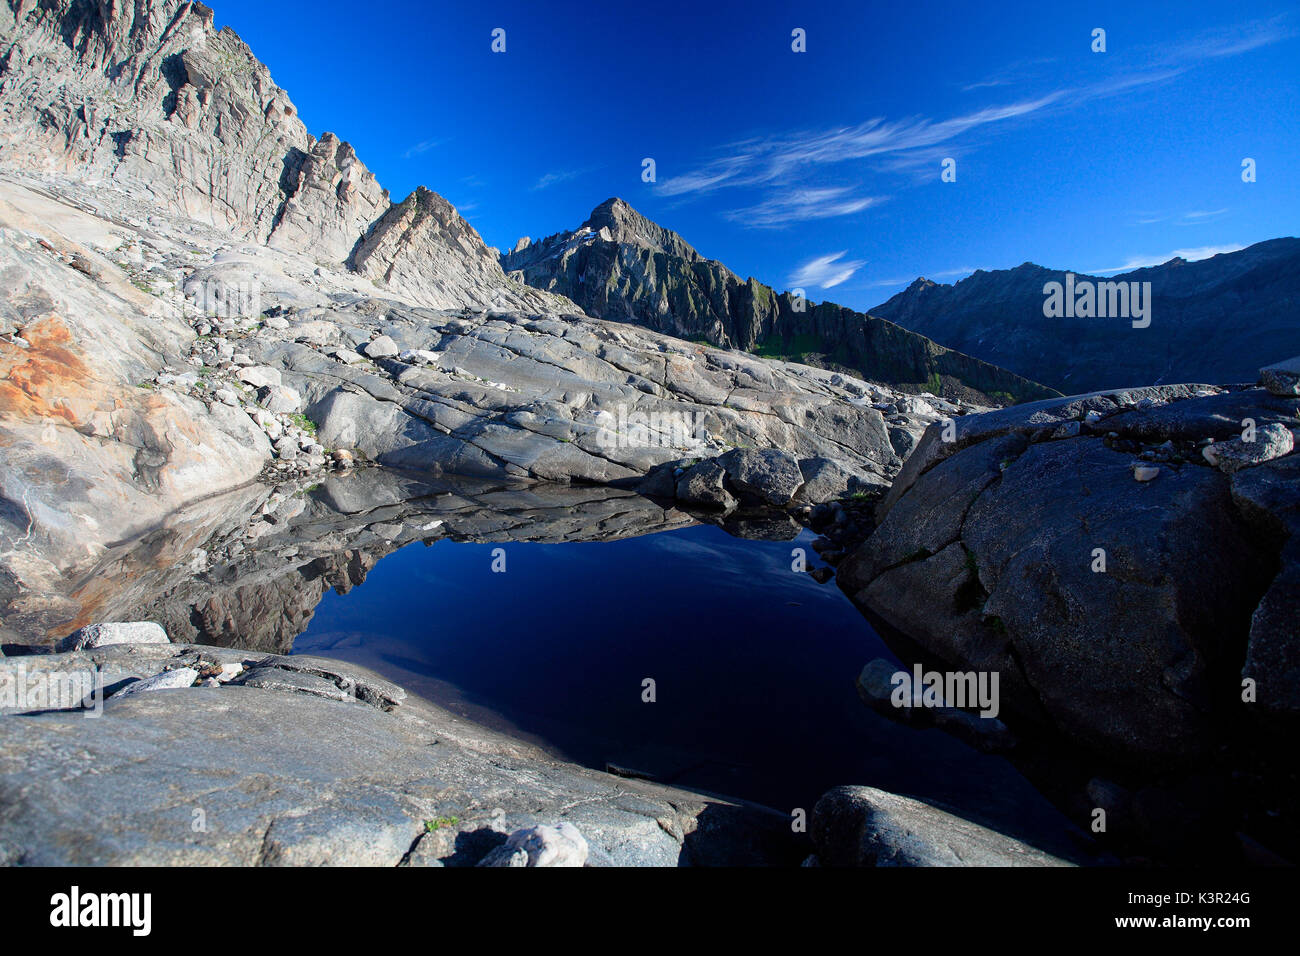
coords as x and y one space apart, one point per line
212 756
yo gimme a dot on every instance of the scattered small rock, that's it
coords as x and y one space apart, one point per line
260 376
167 680
1283 378
382 347
559 845
1271 441
281 399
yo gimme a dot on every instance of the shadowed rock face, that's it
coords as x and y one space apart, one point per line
1216 320
248 569
620 265
862 826
989 548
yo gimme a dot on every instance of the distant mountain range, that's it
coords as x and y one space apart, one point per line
1215 321
619 265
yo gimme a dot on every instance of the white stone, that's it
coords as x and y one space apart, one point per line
282 400
420 357
229 672
559 845
101 635
1271 441
167 680
382 347
260 376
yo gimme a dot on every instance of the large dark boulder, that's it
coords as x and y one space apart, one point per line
990 556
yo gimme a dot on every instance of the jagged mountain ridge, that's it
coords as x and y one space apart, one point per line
156 102
620 265
1214 320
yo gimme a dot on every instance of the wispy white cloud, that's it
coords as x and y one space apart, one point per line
1015 74
984 84
1193 217
1198 216
1191 255
1171 60
423 147
1230 41
729 171
802 205
783 159
825 272
553 179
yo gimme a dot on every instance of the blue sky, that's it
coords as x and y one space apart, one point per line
820 169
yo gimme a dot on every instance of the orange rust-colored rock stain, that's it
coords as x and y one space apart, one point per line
35 380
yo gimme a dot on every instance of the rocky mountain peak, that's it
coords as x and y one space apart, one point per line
625 225
423 248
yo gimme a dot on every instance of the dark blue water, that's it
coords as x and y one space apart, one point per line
753 663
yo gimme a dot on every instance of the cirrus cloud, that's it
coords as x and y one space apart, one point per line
826 272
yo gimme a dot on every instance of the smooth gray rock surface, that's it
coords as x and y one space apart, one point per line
769 477
511 395
863 826
241 775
